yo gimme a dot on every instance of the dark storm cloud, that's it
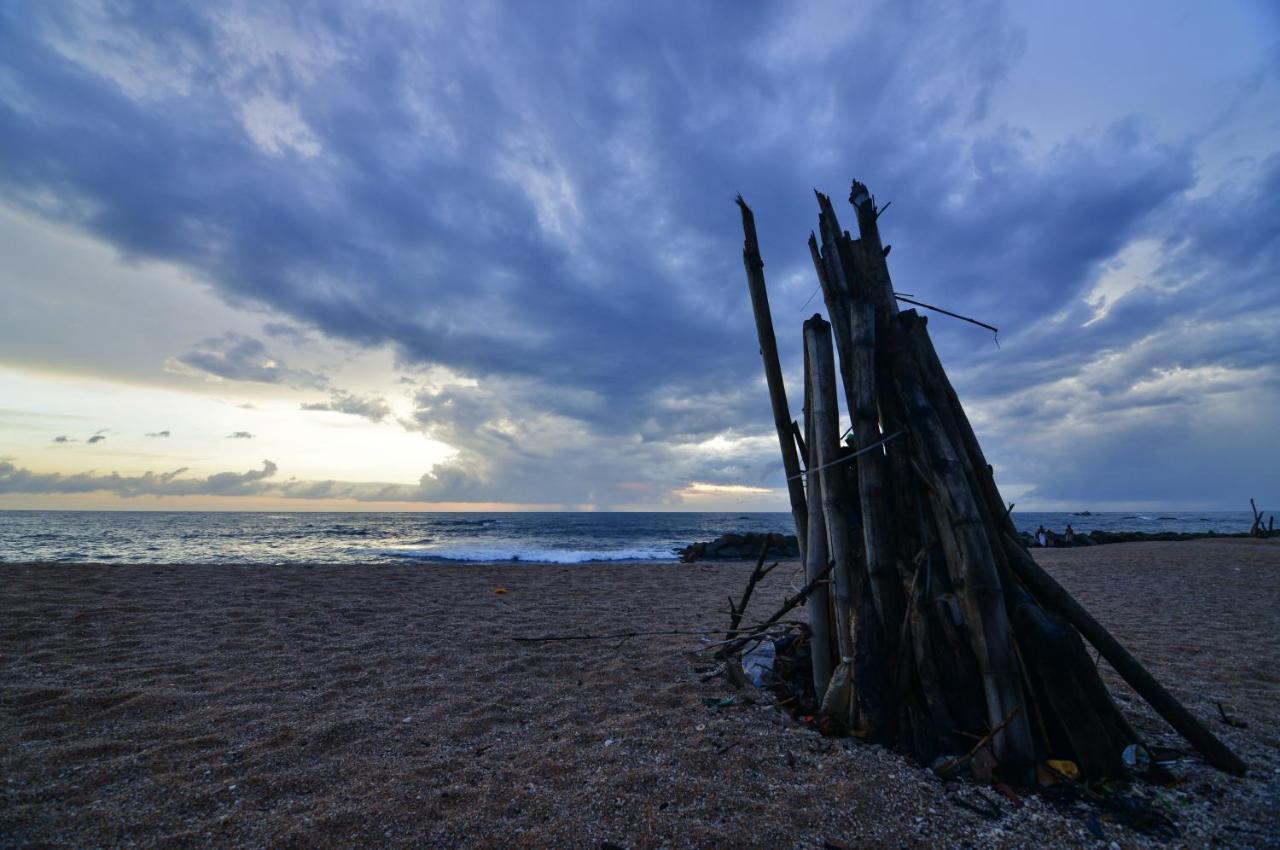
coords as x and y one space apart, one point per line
491 216
63 438
236 357
1171 395
96 438
373 408
542 202
286 332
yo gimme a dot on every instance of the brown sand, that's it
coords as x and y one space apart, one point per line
303 706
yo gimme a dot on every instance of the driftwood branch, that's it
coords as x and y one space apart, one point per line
801 444
991 328
737 643
610 636
949 768
758 573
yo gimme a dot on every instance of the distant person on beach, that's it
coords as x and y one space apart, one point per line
1070 536
1042 536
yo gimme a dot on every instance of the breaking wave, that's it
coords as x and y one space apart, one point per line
527 554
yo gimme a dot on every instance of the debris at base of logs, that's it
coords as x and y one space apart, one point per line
740 547
929 627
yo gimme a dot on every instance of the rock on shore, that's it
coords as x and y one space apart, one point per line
738 547
1094 538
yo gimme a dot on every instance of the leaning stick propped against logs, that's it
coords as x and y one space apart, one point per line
936 628
773 372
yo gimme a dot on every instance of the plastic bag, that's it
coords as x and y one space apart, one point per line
757 661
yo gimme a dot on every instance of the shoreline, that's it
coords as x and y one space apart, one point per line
1100 538
315 704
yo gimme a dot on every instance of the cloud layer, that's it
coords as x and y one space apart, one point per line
373 408
540 204
15 479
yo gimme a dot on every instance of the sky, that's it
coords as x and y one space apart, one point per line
414 256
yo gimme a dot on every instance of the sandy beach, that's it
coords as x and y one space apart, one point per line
323 706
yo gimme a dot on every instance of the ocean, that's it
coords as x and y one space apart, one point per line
190 537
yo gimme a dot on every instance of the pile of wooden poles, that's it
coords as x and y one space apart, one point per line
1258 529
932 630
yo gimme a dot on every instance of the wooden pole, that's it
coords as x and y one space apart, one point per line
877 526
866 277
835 293
773 373
945 397
875 267
818 605
1055 662
1054 596
826 441
972 566
930 680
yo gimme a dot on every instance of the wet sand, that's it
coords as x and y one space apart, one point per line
306 706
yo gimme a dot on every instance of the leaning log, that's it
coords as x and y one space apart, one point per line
972 568
773 371
1055 597
1060 670
944 396
1065 694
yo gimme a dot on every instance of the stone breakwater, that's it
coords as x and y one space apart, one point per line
1096 538
740 547
746 546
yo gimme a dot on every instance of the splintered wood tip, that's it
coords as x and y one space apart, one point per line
859 193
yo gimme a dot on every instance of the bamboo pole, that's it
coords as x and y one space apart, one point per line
844 693
927 673
867 277
1054 596
872 250
1074 693
818 605
877 527
936 377
826 441
773 372
835 293
972 566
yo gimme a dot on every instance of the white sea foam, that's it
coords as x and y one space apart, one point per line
527 554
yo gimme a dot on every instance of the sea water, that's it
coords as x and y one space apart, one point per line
192 537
